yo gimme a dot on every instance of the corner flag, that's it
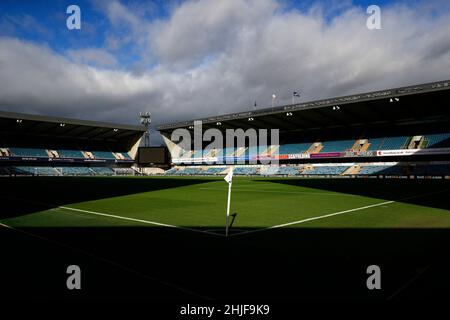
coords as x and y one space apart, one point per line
228 178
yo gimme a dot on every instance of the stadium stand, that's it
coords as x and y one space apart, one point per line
39 171
171 171
393 143
103 155
336 146
70 153
246 170
214 170
289 170
326 170
294 148
76 171
440 140
28 152
103 171
39 145
124 171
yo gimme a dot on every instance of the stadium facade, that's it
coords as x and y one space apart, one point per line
400 133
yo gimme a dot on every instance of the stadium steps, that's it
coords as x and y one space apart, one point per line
352 170
415 142
316 147
360 145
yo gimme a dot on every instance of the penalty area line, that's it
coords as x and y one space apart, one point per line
140 221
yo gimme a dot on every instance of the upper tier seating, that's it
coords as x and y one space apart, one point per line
70 154
103 155
28 152
338 145
441 140
293 148
393 143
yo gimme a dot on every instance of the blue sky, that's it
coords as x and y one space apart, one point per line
194 58
44 21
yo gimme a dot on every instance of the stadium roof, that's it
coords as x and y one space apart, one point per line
27 129
392 106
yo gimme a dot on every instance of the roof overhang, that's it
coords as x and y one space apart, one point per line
407 105
23 129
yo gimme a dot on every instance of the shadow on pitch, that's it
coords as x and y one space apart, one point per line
166 263
24 195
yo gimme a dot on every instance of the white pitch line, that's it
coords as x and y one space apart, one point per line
140 220
336 213
314 218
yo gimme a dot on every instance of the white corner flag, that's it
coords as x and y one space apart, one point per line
228 178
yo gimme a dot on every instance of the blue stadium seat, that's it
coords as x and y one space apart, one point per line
289 170
244 170
39 171
103 155
328 170
441 140
375 143
385 170
337 145
293 148
76 171
70 154
28 152
393 143
214 170
104 171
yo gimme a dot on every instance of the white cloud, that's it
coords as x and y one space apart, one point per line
92 56
216 57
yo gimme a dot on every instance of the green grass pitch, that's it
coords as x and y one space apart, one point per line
171 231
200 203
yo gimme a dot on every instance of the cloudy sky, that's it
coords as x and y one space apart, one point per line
187 59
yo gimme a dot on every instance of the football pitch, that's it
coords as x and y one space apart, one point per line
163 237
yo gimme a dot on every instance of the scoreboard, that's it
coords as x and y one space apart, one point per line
153 155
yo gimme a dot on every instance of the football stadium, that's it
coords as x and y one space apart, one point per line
225 158
355 181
